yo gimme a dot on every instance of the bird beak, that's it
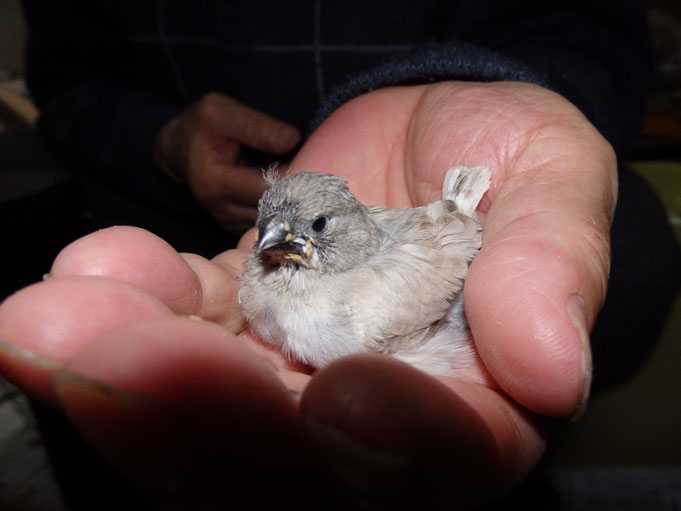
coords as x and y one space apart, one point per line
275 237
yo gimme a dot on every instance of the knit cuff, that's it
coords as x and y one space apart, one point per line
450 61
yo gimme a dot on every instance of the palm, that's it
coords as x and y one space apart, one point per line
545 241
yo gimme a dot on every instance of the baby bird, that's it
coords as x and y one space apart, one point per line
330 276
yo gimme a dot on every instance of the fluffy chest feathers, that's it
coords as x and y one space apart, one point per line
396 292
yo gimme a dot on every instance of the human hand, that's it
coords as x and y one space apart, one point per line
384 428
201 149
534 290
185 407
532 294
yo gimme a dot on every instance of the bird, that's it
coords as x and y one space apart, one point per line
330 277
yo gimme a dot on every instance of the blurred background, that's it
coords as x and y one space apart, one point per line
624 453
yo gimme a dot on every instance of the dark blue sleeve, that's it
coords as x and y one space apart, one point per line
597 54
101 114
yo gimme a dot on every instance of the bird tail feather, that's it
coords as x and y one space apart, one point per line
465 186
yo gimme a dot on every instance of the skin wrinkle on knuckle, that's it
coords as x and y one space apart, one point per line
588 213
525 267
578 256
256 128
539 156
513 428
550 346
560 124
595 256
518 129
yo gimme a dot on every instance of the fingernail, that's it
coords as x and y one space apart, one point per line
9 350
65 379
28 371
577 312
361 469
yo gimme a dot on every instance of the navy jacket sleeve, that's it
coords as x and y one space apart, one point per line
598 54
105 84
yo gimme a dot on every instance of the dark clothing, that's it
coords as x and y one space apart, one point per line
107 75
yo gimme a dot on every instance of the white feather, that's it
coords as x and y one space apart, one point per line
465 186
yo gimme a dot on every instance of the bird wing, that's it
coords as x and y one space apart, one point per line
411 283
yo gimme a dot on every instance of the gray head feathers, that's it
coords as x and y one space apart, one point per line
313 220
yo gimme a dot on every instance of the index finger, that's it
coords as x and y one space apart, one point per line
251 127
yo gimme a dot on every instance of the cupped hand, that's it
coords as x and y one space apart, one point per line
199 413
201 149
532 294
536 287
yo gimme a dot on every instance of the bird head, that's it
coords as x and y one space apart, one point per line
313 221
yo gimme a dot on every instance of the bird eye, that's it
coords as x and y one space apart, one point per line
319 224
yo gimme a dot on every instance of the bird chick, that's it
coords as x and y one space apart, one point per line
330 276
